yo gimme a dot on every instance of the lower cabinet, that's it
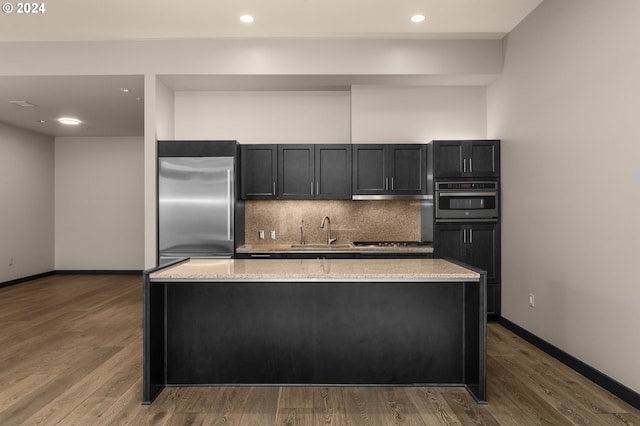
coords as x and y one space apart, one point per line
317 255
260 256
477 244
493 301
394 256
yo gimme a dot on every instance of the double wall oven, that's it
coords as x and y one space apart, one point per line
465 201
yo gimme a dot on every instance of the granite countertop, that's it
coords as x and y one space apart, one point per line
316 270
283 248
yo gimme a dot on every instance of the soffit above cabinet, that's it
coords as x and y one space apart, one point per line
314 82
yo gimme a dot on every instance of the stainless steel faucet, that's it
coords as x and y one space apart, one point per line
329 239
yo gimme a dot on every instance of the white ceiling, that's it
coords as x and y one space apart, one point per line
163 19
107 111
104 109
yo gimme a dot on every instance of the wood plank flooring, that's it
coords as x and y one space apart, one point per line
71 354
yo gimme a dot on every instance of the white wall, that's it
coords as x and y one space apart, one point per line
367 114
264 117
26 203
566 108
417 114
165 112
99 203
254 57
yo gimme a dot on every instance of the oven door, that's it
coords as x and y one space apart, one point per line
465 205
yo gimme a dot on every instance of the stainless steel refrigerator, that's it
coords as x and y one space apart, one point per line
196 200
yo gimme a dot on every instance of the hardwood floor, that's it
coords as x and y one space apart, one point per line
71 354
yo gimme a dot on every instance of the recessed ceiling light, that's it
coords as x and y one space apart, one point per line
417 18
247 19
125 90
69 121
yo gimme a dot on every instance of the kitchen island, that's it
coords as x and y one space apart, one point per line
314 322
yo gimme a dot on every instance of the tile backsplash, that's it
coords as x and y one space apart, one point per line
377 220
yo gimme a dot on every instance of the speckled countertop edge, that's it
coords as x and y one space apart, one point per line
315 270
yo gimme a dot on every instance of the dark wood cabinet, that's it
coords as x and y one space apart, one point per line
391 255
319 255
260 255
389 169
477 244
407 169
258 172
469 158
333 172
369 169
295 172
320 171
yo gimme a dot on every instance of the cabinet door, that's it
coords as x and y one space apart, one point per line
295 172
448 157
493 301
258 168
477 244
369 169
407 164
484 158
483 248
448 242
333 172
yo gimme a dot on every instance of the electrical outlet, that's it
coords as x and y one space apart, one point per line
272 234
532 300
261 234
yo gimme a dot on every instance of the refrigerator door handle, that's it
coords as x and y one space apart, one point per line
229 205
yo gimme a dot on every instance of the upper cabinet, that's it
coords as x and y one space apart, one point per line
389 170
333 172
314 172
469 158
296 172
258 172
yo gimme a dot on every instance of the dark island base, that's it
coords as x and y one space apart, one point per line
314 333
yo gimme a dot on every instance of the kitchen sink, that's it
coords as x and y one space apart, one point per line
322 246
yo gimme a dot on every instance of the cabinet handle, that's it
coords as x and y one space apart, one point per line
464 165
470 165
470 236
386 183
464 236
393 186
274 187
311 187
317 187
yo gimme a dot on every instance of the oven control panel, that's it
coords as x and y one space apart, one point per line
466 185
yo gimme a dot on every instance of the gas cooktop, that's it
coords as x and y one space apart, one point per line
390 244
